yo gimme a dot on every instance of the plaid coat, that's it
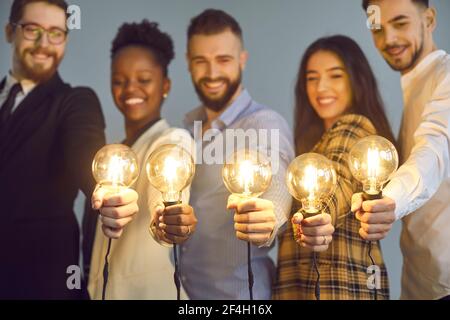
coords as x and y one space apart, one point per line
343 267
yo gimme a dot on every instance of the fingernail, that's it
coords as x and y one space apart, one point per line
160 218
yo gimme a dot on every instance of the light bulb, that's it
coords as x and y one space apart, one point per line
170 169
247 173
115 167
310 179
372 160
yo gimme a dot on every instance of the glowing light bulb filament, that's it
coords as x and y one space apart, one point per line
115 171
373 168
246 176
310 185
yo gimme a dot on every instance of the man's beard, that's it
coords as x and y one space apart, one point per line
219 103
416 56
36 72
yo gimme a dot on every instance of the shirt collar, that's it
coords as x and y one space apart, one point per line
27 85
230 114
421 66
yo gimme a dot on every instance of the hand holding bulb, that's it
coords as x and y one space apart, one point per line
247 175
372 161
115 170
170 169
311 179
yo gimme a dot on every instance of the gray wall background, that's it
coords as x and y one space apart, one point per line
276 33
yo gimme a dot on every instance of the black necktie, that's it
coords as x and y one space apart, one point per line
5 110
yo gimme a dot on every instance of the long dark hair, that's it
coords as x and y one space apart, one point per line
366 100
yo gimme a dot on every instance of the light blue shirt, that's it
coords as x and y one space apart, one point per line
213 261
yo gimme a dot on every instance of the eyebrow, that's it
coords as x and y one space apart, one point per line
331 69
398 18
220 56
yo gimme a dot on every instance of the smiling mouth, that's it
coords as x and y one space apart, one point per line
133 101
326 101
213 86
396 51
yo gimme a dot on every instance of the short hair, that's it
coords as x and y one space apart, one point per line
18 8
147 35
425 3
212 21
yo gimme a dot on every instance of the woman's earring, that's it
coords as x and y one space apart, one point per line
165 95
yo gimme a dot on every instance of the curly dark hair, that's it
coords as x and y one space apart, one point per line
145 34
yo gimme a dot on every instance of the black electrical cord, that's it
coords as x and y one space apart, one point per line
250 271
317 286
176 275
105 270
375 293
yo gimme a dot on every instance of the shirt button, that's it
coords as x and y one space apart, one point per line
183 278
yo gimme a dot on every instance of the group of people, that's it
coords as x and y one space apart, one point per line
50 132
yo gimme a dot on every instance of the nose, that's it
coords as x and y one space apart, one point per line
42 41
212 71
390 37
323 84
130 86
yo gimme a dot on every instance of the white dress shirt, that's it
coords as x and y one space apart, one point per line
139 267
421 187
27 86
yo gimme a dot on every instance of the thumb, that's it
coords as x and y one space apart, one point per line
357 201
97 197
297 218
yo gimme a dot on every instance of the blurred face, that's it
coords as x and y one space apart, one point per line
328 86
138 85
37 60
405 36
216 63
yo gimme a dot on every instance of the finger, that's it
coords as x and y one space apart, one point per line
120 212
317 220
321 248
97 197
372 237
174 238
316 241
180 231
254 227
375 228
177 220
376 218
297 218
357 201
255 238
233 201
379 205
254 204
325 230
112 233
115 223
177 209
123 197
254 217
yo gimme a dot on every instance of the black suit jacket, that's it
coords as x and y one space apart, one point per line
46 151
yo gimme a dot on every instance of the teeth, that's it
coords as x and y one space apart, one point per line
213 85
134 101
326 100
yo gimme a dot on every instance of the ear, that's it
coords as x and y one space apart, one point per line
243 57
167 85
431 18
188 61
9 33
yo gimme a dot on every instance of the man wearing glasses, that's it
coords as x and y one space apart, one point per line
49 133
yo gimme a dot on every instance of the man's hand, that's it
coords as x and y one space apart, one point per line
314 233
376 216
116 209
175 224
254 219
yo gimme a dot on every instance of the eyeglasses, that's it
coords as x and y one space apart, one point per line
33 32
